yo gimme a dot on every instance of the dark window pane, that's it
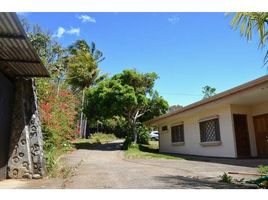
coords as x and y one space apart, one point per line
177 133
209 130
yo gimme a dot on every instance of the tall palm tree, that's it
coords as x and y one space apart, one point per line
82 45
250 23
208 91
83 71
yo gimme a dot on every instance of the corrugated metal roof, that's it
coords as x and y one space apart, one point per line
17 56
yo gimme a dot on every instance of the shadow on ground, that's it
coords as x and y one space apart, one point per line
113 146
247 162
195 183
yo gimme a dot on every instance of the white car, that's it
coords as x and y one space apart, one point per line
154 135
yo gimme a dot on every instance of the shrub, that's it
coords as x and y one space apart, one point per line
127 143
226 178
143 135
58 113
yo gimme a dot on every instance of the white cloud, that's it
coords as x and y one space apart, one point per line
60 32
86 19
71 31
23 14
174 19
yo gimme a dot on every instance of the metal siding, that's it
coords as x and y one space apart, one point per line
16 51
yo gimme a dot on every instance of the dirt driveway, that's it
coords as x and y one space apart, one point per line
105 167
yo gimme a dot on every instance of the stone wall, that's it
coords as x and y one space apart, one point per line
26 157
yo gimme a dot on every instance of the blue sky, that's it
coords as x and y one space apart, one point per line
186 50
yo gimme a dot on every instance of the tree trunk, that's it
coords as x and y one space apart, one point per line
85 128
58 87
82 116
135 134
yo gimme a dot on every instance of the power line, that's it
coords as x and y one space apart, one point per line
180 94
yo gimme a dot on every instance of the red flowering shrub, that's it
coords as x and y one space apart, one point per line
58 111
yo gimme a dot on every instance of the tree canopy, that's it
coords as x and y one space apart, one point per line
129 94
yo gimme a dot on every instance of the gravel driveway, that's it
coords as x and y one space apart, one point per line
105 167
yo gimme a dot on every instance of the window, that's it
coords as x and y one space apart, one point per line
210 130
177 133
164 128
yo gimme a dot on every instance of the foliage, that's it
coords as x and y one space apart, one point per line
250 23
225 178
102 138
50 51
58 115
143 135
208 91
82 70
115 124
127 143
82 45
174 108
263 169
130 95
139 151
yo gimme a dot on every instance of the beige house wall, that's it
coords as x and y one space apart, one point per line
260 109
192 145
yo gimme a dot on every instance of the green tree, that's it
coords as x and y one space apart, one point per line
83 72
129 94
57 104
208 91
174 108
250 23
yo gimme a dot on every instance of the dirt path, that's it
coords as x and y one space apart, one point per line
105 167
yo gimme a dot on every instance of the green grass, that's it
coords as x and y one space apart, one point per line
147 152
99 138
94 142
263 169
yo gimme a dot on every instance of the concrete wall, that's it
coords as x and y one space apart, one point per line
192 145
26 157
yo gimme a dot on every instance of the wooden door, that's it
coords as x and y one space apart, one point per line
241 135
6 100
261 132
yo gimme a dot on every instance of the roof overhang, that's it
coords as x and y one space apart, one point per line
250 93
17 56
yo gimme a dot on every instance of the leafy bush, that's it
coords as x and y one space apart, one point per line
127 143
226 178
143 135
58 111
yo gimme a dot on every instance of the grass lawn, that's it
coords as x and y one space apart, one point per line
97 138
147 152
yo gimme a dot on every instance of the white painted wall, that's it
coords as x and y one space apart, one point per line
192 144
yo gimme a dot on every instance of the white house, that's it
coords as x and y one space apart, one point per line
231 124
